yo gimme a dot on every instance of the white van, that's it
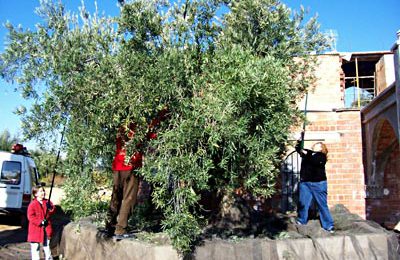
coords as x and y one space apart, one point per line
18 174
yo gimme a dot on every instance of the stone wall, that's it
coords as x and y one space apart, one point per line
356 239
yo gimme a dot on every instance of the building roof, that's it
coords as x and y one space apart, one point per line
364 56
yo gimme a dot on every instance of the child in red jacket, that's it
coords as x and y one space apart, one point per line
40 228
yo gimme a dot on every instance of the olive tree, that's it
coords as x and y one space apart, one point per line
229 74
6 140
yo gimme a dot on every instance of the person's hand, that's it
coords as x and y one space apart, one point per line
48 205
44 223
298 146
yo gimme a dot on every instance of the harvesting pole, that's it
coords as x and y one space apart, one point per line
55 166
304 123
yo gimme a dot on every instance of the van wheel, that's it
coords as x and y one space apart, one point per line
24 221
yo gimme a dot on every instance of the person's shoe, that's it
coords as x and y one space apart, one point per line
119 237
299 223
331 230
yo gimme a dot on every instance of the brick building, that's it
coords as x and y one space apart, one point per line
381 131
346 84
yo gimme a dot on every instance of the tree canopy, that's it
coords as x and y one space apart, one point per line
6 140
229 73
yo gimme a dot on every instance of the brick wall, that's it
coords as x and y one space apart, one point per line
341 132
327 93
386 209
384 73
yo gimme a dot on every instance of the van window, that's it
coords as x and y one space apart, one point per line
34 175
11 173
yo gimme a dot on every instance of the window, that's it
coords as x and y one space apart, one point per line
34 174
364 74
359 80
11 173
352 94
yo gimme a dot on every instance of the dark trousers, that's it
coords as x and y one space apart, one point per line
123 199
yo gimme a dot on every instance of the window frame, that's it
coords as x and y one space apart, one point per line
8 182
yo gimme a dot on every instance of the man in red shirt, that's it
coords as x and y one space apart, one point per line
125 184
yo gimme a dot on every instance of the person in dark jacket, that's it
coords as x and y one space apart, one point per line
40 228
313 185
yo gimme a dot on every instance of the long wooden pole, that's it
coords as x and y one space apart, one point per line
358 86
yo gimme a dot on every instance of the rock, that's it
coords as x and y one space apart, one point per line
312 229
343 218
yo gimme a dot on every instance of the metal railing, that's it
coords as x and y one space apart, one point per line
290 173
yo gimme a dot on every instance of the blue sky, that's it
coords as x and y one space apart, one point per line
361 25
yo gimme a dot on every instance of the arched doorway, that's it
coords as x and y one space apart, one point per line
383 204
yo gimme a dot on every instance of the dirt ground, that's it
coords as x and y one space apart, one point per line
13 237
